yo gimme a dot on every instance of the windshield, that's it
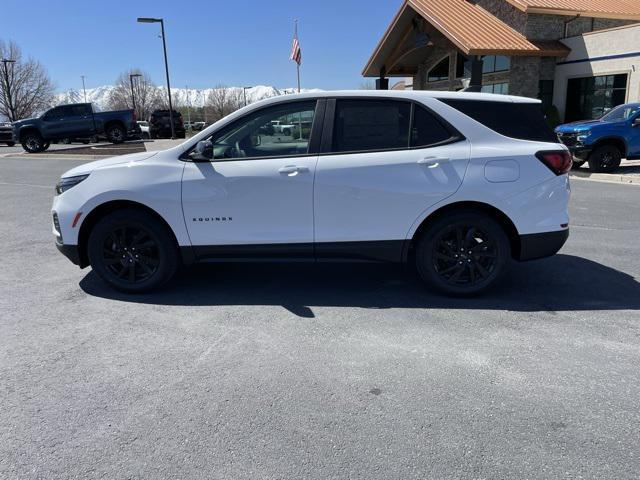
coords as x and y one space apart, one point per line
621 113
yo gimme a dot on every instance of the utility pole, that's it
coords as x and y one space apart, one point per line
8 92
244 92
133 95
84 90
166 66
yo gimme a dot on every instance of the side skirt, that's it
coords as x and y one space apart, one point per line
390 251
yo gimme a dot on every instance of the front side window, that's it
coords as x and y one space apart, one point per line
279 131
365 125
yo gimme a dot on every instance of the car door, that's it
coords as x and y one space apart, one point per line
248 191
633 138
79 120
52 122
383 163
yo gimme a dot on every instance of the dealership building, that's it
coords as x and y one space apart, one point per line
581 56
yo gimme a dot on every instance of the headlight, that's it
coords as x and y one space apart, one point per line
582 136
66 183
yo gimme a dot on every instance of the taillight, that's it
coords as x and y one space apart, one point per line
558 161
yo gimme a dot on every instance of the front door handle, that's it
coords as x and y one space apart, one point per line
289 169
433 162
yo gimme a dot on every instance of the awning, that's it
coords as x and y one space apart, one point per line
468 26
616 9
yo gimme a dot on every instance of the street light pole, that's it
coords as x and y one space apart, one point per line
166 66
8 84
133 95
84 90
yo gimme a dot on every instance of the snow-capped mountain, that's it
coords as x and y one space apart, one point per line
180 96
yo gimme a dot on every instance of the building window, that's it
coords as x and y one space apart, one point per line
545 93
501 88
440 71
495 63
592 97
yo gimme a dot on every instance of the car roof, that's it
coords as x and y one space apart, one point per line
405 94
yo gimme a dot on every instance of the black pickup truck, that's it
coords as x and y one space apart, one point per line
78 120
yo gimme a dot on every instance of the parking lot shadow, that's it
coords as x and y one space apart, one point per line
559 283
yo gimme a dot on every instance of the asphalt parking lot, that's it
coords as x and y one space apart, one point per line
298 371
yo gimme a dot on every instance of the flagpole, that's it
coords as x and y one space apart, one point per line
297 63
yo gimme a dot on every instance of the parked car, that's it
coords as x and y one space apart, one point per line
144 129
606 141
456 183
284 128
6 134
160 124
78 120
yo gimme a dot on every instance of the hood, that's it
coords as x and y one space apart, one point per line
577 127
108 162
17 123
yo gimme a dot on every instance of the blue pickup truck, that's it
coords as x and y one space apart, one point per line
78 120
606 141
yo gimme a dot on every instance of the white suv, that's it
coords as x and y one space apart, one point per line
457 183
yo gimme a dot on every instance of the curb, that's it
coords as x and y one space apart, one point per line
606 177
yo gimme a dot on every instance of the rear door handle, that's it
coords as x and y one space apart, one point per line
289 169
433 162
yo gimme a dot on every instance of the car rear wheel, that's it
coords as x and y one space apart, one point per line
116 134
132 251
605 159
463 253
32 142
11 144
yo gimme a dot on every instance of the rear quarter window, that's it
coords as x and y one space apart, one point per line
523 121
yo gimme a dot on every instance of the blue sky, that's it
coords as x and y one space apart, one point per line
241 42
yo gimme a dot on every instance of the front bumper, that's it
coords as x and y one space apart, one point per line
70 251
540 245
580 151
6 135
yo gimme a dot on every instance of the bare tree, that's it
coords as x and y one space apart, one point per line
147 95
367 85
222 101
25 87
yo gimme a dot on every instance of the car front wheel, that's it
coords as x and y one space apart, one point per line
463 253
132 251
605 159
33 143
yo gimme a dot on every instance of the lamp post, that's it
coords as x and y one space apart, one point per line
244 92
84 90
133 95
8 84
166 66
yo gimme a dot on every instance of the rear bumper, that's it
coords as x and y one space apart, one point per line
540 245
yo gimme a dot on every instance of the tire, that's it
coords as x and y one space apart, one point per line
605 159
146 136
132 251
286 132
577 163
116 134
11 144
32 142
46 146
443 259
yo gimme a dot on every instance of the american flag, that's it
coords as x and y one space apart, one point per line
296 53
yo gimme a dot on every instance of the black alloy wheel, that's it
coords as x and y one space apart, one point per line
605 159
462 254
33 143
132 251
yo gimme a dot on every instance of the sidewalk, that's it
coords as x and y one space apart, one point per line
628 173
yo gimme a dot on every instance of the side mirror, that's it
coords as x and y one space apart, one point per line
203 151
256 141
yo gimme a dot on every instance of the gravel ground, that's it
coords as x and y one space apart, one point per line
243 371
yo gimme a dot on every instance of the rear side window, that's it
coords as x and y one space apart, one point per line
427 130
362 125
523 121
374 125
